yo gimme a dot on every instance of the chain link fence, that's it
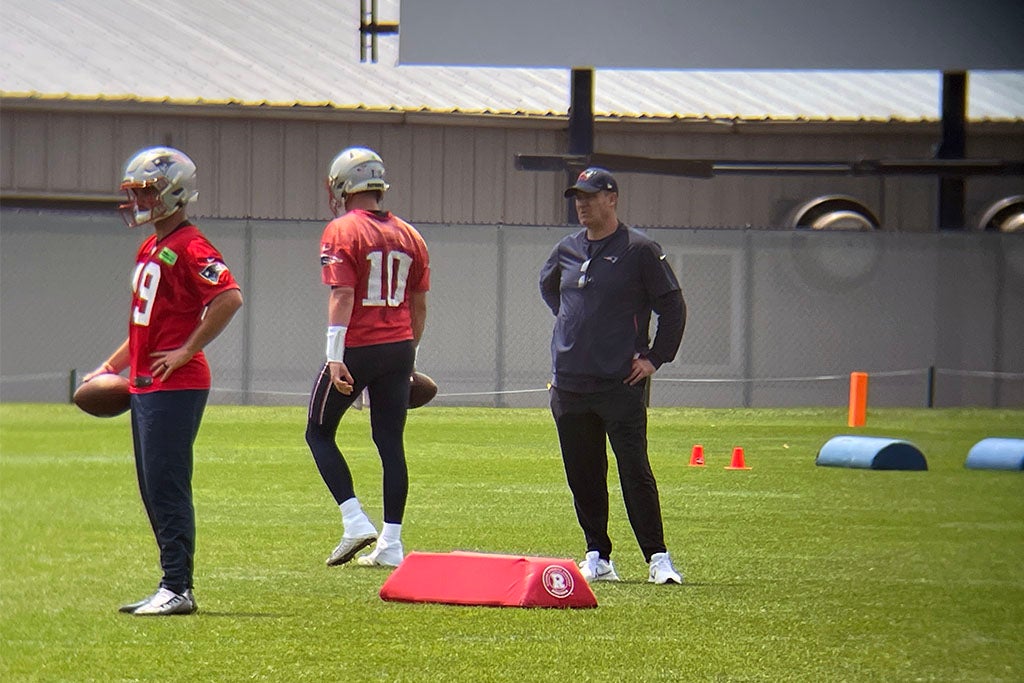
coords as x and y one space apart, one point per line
775 318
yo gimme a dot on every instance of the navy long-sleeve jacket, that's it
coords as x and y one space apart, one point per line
602 294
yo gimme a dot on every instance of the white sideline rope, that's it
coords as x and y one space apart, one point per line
897 373
34 378
294 394
985 374
726 380
258 392
814 378
981 373
495 393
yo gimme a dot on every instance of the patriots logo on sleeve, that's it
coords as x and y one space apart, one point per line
327 258
211 273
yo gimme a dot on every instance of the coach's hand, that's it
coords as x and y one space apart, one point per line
641 370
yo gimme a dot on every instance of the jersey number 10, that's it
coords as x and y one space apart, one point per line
385 284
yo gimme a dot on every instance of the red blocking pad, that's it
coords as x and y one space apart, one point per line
464 578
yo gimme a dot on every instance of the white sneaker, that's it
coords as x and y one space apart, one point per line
129 609
166 602
662 570
593 568
384 555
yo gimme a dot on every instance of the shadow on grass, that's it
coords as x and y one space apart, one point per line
244 615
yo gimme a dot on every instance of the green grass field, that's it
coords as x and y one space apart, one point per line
794 572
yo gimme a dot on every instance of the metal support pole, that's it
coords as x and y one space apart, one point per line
581 127
370 28
953 146
500 324
747 325
931 386
248 318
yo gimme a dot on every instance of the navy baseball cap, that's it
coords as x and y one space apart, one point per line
593 180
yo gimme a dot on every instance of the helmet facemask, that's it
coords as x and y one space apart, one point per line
157 182
145 202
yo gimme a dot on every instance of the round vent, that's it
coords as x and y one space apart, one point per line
1005 215
833 212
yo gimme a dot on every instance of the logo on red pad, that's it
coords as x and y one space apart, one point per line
557 581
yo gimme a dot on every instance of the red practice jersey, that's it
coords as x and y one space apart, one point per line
173 282
382 258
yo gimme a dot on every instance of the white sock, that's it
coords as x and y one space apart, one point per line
391 534
351 511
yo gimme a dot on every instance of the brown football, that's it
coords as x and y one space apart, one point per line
104 395
422 390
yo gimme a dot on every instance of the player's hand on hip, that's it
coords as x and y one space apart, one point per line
641 370
341 378
163 363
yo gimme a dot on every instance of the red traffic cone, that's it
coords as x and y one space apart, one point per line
737 460
697 456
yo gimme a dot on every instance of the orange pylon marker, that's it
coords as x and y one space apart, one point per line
697 456
858 414
738 462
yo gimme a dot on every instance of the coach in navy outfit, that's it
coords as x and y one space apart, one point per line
603 283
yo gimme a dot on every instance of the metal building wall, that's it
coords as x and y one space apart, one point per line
257 163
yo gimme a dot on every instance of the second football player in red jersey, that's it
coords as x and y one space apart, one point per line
183 296
378 269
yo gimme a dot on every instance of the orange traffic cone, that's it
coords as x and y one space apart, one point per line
697 456
737 460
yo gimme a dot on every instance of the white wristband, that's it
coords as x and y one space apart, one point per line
336 343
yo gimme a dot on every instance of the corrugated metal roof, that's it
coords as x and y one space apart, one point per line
306 53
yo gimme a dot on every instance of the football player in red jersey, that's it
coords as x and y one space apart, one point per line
378 270
183 296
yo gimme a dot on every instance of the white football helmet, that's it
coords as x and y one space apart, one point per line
356 169
158 181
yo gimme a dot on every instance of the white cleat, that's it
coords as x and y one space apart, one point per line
384 555
662 571
348 547
593 568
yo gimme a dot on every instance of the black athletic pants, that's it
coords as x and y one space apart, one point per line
164 428
583 421
385 369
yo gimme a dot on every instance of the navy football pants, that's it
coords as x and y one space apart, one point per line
385 369
164 427
583 421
